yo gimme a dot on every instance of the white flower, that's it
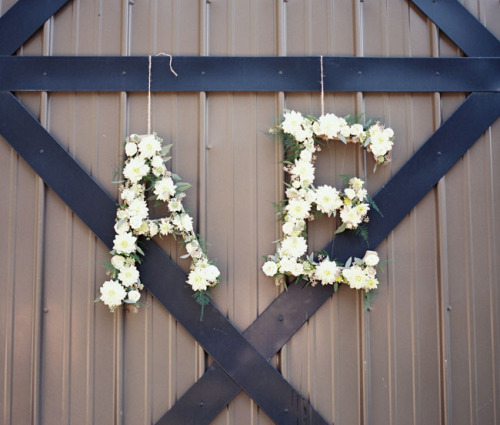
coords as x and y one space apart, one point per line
327 272
362 209
303 170
164 188
345 131
193 248
136 169
297 269
149 145
112 293
134 296
125 243
138 207
361 194
175 205
157 161
328 126
117 261
350 193
356 183
286 265
306 155
211 272
288 228
153 228
159 171
165 226
183 222
350 217
327 199
122 226
130 149
294 246
121 214
198 280
356 130
355 277
298 209
371 258
270 268
128 194
292 122
128 276
135 222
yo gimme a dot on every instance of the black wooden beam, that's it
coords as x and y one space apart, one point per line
279 322
461 27
162 277
256 74
22 20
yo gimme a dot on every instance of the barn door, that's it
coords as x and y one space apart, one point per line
236 174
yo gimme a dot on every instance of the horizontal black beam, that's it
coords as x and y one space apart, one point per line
162 277
248 74
461 27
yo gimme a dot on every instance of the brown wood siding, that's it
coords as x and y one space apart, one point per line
429 350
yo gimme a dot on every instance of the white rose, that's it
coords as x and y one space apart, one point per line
345 131
135 222
117 261
270 268
157 161
350 193
211 272
134 296
130 149
356 130
371 258
288 228
122 226
153 228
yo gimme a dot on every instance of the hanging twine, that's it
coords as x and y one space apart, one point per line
150 64
322 88
149 97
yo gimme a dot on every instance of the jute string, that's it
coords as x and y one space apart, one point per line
322 88
150 64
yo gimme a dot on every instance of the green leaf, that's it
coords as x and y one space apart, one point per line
348 263
340 229
372 203
336 286
182 186
140 251
342 138
166 149
176 177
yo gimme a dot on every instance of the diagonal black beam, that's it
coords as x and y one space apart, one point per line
279 322
165 280
270 327
195 73
22 20
460 26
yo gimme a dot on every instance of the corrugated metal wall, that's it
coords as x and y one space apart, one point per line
427 353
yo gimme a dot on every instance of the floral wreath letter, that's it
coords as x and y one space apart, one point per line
304 201
144 170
